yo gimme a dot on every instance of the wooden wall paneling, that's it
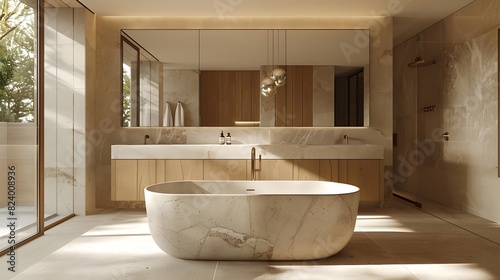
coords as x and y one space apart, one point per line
126 180
204 98
209 97
246 96
255 92
229 97
329 170
281 109
307 96
146 175
297 96
287 114
237 98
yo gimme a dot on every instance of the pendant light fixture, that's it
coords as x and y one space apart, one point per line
279 77
268 85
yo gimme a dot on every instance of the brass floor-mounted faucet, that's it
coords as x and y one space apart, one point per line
252 164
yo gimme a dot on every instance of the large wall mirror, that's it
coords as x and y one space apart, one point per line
212 78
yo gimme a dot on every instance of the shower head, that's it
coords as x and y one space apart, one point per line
419 62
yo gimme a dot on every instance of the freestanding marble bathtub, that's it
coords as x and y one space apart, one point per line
251 220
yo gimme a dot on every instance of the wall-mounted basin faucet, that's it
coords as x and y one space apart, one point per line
346 139
146 137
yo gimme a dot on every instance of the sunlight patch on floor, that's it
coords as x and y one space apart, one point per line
379 223
341 272
458 271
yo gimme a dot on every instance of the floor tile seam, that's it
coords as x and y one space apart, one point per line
55 248
455 225
215 270
461 227
391 255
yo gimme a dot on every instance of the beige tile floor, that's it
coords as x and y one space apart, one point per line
399 242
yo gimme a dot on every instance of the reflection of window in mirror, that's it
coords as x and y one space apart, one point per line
130 78
349 96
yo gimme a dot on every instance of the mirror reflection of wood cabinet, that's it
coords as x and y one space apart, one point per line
294 101
229 96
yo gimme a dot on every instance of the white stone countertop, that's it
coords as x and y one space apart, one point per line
242 151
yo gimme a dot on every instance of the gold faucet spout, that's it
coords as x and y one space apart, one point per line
253 168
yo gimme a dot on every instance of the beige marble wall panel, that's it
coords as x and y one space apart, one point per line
155 93
323 96
183 86
267 104
462 172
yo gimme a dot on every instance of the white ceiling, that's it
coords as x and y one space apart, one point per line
410 16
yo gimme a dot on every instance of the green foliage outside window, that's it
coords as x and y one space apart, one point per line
17 62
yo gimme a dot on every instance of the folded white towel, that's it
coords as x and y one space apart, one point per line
179 115
167 115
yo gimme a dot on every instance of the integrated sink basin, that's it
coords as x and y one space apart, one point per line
242 151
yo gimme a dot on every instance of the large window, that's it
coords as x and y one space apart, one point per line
19 123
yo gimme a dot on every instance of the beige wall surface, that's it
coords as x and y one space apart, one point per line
108 132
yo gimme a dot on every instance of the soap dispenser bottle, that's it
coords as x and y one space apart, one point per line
221 138
228 139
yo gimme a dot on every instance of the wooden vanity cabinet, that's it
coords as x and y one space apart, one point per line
279 169
366 174
130 177
219 169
